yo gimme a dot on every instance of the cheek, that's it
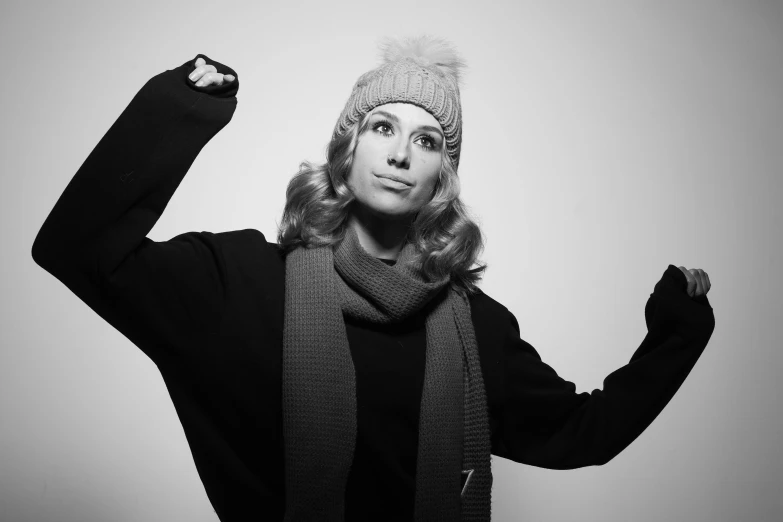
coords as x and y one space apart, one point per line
430 177
369 148
355 172
362 159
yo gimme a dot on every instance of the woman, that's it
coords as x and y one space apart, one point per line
353 370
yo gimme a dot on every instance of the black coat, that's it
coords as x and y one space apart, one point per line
208 310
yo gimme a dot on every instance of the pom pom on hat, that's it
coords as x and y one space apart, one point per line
427 51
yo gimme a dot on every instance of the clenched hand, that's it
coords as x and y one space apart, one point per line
206 74
698 281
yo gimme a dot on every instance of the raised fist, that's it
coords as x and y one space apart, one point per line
698 281
206 74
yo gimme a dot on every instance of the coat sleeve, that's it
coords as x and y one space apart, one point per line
158 294
547 424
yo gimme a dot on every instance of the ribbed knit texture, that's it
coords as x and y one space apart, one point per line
407 81
319 384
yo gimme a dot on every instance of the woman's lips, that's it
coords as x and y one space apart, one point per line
392 181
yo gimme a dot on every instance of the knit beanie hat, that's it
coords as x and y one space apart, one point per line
423 71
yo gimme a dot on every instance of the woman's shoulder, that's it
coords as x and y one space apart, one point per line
482 302
489 313
250 247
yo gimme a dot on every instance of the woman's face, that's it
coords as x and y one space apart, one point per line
397 160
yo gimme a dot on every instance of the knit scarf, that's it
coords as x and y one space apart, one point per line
319 386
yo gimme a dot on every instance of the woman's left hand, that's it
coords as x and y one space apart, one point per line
698 281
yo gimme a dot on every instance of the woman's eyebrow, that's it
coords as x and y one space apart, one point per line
396 120
432 129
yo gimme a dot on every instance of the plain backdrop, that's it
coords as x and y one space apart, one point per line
602 142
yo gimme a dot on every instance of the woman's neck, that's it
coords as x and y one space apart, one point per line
377 236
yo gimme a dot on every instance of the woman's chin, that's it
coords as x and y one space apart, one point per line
389 212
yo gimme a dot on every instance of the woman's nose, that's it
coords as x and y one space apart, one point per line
399 157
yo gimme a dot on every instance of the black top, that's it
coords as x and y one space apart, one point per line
207 308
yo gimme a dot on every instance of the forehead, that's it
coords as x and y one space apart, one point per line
408 113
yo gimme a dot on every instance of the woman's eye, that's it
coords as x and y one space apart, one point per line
427 142
383 128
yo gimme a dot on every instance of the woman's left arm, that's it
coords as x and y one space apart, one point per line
545 423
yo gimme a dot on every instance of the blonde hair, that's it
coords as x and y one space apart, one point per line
319 201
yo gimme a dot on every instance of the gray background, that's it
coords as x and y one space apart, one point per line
602 142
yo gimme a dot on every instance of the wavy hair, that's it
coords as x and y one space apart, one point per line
319 202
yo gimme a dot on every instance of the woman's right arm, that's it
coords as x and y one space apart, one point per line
94 239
